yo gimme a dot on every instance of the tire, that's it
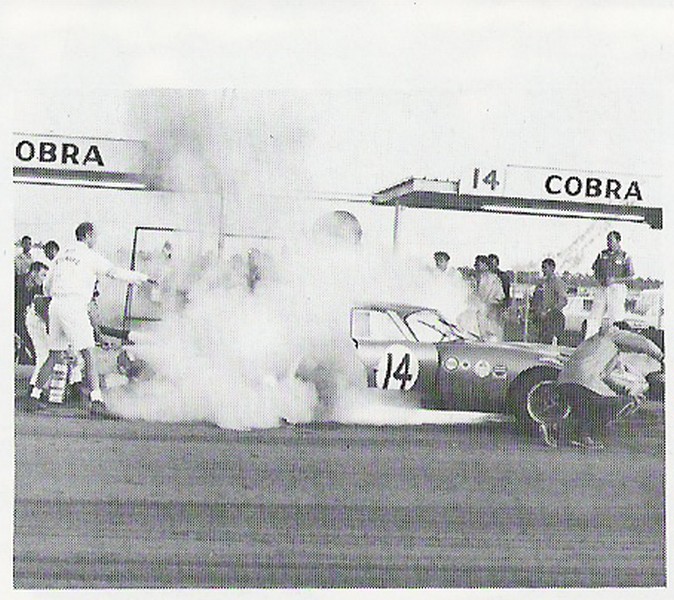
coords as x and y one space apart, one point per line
543 404
533 401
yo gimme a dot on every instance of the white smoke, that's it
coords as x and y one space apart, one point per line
231 355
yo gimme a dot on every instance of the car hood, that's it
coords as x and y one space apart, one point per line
546 349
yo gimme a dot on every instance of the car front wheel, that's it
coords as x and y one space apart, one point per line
535 402
544 406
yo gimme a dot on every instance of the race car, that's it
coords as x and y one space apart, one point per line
413 350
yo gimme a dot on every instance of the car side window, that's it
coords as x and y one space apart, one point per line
374 326
587 304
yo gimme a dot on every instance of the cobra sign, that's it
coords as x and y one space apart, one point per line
78 161
555 184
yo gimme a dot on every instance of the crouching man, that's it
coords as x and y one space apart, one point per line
69 283
589 383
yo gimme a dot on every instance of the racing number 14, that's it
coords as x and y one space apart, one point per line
401 373
490 179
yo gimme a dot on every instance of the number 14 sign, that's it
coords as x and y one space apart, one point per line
483 181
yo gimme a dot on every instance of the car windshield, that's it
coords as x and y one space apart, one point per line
429 326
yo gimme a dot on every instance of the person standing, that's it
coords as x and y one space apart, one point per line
24 259
70 283
37 325
589 385
504 278
51 249
26 289
489 292
448 290
548 301
612 269
441 259
447 272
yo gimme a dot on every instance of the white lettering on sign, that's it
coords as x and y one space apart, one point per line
63 153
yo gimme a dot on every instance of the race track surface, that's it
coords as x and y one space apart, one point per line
103 504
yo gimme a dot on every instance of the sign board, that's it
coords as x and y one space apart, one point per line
73 160
546 183
532 191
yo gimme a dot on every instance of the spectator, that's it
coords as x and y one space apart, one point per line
612 269
37 323
24 259
489 292
450 288
51 249
588 381
548 301
254 268
25 290
503 277
70 284
441 260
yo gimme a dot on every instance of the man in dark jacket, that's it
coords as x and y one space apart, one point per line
612 269
26 289
591 383
548 301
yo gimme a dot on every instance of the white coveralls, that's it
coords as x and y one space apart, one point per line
70 284
490 292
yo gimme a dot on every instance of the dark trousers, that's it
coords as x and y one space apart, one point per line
25 353
552 325
590 412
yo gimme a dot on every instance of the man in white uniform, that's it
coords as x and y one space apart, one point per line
489 291
70 283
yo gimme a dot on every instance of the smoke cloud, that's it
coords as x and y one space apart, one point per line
263 335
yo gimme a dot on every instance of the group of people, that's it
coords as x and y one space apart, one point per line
54 305
490 292
612 269
592 382
53 318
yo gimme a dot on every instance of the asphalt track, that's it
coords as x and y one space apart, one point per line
115 504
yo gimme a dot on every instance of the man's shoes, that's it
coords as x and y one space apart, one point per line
98 410
30 404
587 442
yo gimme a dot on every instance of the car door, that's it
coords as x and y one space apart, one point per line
393 359
472 376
